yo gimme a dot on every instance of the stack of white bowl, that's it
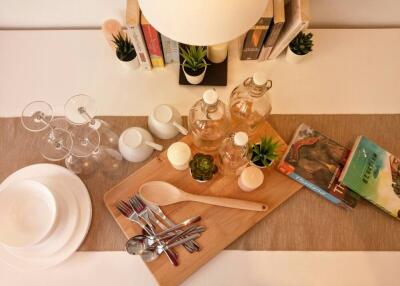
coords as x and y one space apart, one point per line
45 213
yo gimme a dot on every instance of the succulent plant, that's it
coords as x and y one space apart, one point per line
202 167
125 50
302 44
263 153
194 57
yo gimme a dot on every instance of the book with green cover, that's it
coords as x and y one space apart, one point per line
374 174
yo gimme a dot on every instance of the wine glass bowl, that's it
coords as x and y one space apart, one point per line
56 145
80 109
36 116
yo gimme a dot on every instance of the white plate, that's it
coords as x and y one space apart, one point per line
66 181
66 223
28 213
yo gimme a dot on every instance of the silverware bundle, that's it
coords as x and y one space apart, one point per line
150 217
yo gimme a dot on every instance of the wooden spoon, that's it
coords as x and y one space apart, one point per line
162 194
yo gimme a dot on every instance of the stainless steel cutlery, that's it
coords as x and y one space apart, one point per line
150 217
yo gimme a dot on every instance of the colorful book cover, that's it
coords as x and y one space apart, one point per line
153 43
374 174
254 39
316 161
170 50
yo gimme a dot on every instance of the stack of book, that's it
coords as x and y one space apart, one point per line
274 31
341 175
154 50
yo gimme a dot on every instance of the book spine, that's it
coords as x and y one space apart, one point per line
153 45
135 33
316 189
170 50
270 41
294 26
254 40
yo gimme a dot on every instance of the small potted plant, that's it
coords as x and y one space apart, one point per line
264 153
125 51
202 167
300 46
194 65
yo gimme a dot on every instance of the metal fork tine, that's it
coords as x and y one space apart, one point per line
139 200
122 209
133 205
137 205
126 205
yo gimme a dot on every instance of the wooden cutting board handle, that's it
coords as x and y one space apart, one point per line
229 203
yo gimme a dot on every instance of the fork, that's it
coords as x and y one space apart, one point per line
127 210
152 218
190 246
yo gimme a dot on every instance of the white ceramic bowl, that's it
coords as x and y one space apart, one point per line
28 211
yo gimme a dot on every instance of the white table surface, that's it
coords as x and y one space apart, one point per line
230 268
350 71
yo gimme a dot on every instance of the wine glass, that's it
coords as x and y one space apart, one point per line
36 116
86 141
56 144
81 109
109 159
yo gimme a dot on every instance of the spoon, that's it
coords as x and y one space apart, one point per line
162 193
137 244
153 253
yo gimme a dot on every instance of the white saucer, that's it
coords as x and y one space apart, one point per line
66 238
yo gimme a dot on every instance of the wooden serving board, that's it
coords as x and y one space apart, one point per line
224 225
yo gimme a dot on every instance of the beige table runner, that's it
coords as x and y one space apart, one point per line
304 222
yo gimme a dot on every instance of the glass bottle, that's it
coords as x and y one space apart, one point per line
250 103
233 153
208 122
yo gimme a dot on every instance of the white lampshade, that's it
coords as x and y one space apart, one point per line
202 22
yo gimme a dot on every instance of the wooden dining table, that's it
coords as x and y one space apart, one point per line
305 222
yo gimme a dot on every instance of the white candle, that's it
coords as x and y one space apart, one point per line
250 179
217 53
178 155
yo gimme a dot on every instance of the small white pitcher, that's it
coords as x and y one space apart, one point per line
165 122
136 144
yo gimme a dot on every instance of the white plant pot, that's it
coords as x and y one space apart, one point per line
133 64
292 57
194 79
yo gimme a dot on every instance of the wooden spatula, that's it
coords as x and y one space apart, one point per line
162 193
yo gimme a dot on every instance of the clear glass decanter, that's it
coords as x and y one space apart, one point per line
233 153
250 103
208 122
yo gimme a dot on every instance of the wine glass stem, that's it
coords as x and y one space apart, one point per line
84 113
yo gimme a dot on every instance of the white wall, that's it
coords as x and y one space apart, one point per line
91 13
355 13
